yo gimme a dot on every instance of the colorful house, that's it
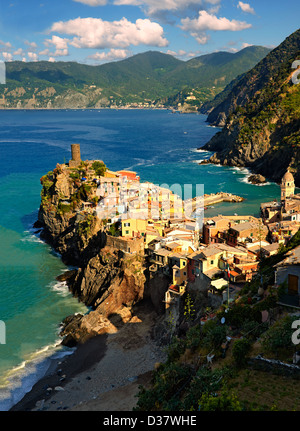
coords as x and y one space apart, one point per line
134 227
130 175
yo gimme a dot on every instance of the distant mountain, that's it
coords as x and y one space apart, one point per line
261 116
150 77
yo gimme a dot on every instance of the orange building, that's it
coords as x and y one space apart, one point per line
130 175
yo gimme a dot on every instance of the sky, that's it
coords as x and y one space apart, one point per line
101 31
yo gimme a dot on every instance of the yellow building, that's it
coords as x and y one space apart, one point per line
111 174
210 258
134 227
178 262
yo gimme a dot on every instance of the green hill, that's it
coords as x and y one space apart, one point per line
151 77
261 117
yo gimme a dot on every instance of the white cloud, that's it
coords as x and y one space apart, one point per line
246 7
7 56
181 53
60 44
201 38
111 55
198 27
5 45
205 21
31 45
20 52
99 34
33 56
245 45
51 60
44 52
92 2
160 8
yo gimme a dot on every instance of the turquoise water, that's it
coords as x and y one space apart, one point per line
159 145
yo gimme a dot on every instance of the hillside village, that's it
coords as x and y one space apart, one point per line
216 255
225 288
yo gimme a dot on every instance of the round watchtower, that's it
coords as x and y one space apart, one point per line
75 148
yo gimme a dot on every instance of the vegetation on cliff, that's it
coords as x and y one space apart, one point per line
262 117
232 381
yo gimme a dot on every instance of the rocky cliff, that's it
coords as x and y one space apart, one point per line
107 280
261 117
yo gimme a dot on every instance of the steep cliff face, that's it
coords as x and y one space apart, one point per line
110 280
262 117
75 235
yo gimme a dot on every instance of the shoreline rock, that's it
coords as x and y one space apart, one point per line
257 179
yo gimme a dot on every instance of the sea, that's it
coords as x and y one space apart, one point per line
161 146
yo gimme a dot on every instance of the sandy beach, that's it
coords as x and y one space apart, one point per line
102 374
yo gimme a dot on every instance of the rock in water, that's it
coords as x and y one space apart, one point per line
256 179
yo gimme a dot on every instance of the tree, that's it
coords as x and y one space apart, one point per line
99 168
240 350
278 339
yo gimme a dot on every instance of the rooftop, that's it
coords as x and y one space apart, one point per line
288 176
163 252
210 251
291 258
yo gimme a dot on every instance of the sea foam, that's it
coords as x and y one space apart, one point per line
18 381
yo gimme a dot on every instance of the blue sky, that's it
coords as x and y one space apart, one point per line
99 31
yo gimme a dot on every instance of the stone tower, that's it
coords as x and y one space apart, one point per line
76 157
287 185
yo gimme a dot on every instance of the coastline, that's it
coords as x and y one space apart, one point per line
102 374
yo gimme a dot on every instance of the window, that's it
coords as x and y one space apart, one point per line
211 262
184 273
126 224
184 263
127 232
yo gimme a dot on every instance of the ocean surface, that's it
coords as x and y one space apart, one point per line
159 145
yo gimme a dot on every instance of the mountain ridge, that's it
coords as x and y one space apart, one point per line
150 76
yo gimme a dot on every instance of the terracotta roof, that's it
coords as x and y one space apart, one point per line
174 287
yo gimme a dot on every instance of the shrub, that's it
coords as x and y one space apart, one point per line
175 349
189 308
168 383
114 230
214 334
193 337
99 168
239 313
278 339
220 403
240 350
